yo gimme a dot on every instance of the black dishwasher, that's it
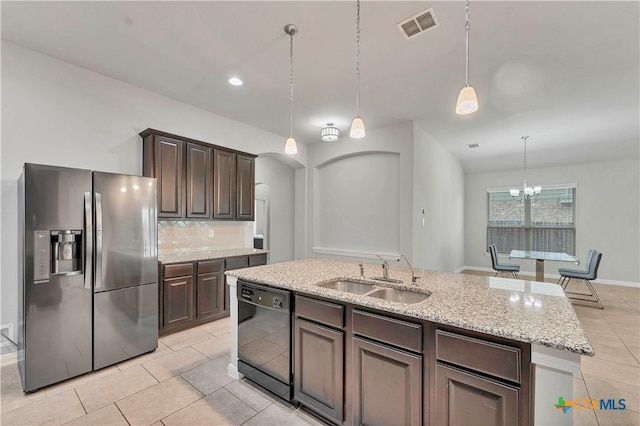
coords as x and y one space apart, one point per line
264 337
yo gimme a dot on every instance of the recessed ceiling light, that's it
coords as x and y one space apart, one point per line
235 81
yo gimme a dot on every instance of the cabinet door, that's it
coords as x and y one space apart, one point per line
463 399
178 301
198 181
318 368
224 184
245 188
387 385
209 295
169 159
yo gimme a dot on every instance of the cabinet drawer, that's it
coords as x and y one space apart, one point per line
486 357
237 262
258 259
210 266
178 270
320 311
389 330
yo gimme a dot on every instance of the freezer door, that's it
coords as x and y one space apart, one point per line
54 336
126 229
125 324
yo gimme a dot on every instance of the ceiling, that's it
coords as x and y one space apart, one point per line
564 73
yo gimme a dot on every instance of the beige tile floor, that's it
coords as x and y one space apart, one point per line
184 382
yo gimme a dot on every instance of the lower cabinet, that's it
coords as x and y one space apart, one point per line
178 301
176 307
210 290
357 367
319 368
478 381
194 293
465 399
387 385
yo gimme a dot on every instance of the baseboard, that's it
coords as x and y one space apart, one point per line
8 359
232 371
556 277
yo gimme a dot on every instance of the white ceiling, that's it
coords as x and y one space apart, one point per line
565 73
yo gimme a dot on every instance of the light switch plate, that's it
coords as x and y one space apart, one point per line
211 233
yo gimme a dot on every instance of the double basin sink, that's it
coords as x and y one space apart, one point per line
370 290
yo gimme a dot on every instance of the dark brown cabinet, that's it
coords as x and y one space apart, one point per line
210 290
195 293
163 158
479 381
198 181
319 357
177 295
245 186
464 398
224 191
387 385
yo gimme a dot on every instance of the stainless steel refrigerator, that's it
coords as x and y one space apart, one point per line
89 270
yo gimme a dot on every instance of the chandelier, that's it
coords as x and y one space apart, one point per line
329 133
528 192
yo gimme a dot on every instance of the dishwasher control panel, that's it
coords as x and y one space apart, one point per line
263 296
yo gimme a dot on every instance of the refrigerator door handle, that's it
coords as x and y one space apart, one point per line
88 241
98 265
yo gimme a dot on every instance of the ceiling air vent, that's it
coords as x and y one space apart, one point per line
418 24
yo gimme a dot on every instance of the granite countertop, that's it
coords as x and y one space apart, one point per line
525 311
193 256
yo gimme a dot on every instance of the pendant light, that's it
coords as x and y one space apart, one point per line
290 146
528 192
357 126
467 100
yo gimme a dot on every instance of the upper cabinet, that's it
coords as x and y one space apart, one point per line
199 173
197 180
224 190
164 160
246 184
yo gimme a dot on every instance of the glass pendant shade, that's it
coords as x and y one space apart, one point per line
467 101
514 192
357 128
290 146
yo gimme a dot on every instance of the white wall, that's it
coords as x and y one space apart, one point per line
280 179
439 190
358 203
376 195
607 214
57 113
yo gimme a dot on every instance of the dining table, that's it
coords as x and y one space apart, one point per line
540 257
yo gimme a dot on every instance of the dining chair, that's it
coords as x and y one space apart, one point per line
587 275
502 267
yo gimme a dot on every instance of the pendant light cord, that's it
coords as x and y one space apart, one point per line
467 25
291 84
357 58
524 138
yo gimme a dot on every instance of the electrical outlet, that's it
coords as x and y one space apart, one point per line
211 233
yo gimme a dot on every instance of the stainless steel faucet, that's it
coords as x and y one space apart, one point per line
385 267
385 272
413 274
361 270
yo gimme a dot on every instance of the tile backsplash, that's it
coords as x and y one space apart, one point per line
175 236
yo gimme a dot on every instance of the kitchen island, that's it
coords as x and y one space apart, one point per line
529 324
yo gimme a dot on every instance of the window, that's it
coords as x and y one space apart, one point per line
545 223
